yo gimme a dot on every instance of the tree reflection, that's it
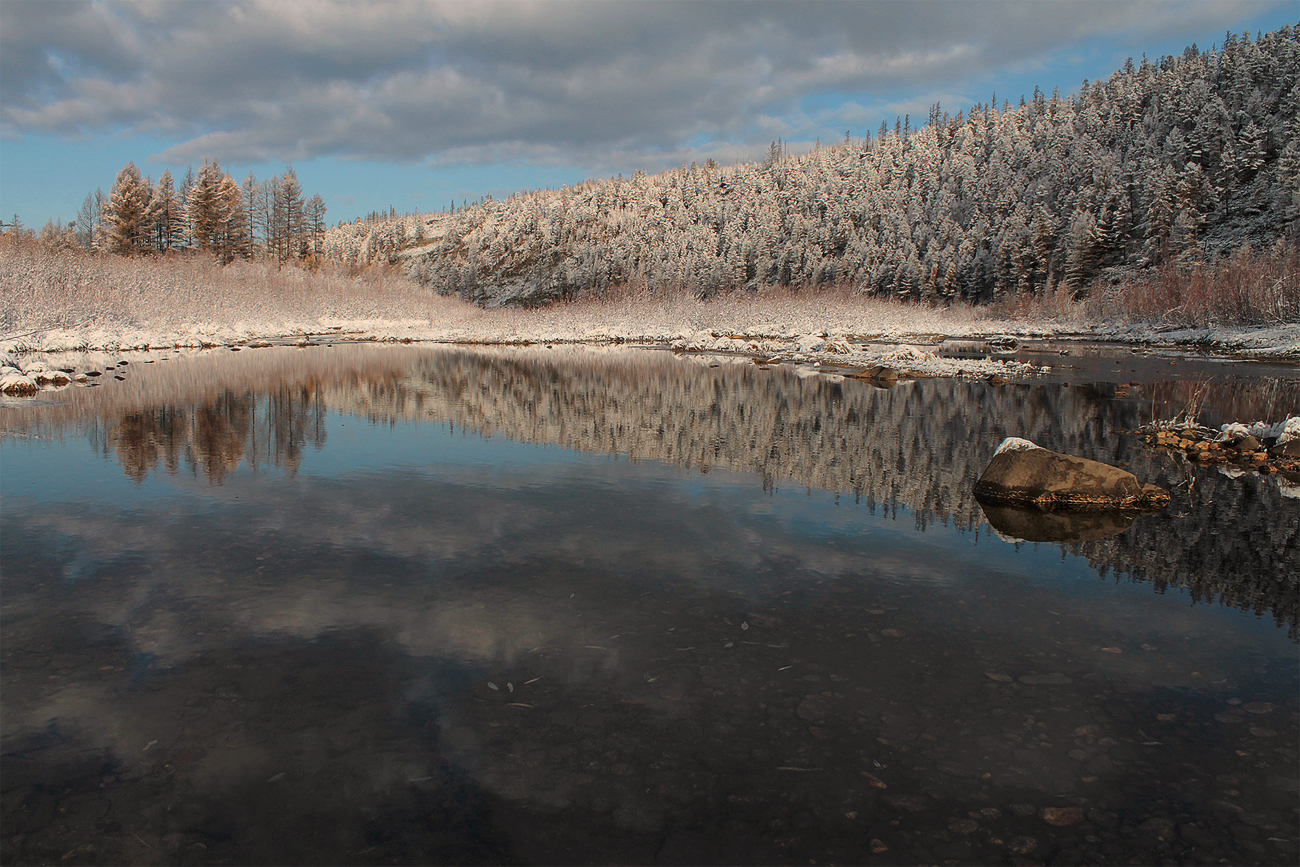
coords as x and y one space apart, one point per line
214 438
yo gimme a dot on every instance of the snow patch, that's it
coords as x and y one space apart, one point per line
910 354
1015 444
14 381
1283 431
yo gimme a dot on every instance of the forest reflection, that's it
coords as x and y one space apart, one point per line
917 447
215 438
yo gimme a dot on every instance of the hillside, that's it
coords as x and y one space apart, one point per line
1186 158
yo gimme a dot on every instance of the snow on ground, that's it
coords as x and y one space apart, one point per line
1268 341
843 330
807 328
822 325
1283 431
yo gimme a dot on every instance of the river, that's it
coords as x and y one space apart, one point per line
413 604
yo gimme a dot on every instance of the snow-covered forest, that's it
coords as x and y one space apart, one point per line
1185 159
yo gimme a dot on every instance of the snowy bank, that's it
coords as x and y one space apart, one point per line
816 329
1267 341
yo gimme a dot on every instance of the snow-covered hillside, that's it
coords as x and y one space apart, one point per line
1190 156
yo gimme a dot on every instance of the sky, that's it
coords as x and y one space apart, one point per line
417 105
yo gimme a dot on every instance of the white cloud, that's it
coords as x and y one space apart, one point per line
543 82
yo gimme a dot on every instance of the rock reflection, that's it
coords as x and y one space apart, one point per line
920 446
1035 525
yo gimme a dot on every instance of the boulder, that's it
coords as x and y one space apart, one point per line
1246 444
1023 474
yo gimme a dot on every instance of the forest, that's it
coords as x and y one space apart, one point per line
1185 160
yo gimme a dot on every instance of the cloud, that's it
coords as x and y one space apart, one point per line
579 83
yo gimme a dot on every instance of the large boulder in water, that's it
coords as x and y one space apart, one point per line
1023 474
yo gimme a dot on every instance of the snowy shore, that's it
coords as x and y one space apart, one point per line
836 330
63 358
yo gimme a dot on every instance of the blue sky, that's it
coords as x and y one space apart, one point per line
414 105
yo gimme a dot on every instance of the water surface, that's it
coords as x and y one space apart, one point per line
448 605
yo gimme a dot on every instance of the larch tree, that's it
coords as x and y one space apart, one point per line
314 214
285 217
205 206
254 195
231 236
125 219
166 215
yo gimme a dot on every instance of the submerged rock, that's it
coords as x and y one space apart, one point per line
1024 474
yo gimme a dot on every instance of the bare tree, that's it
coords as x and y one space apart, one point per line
89 230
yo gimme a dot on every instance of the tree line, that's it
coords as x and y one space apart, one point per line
210 212
1182 159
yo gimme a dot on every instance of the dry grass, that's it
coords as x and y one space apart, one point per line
1251 287
41 290
79 293
1248 288
1056 305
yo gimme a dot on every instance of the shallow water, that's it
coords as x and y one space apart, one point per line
435 605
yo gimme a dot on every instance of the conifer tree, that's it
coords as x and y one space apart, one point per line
166 215
206 207
255 211
125 219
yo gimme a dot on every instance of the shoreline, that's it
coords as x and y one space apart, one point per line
995 360
1279 342
29 368
49 360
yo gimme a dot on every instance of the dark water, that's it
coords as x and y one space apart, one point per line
415 606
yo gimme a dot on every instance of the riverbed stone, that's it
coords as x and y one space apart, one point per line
812 709
1022 845
1062 817
1025 474
907 803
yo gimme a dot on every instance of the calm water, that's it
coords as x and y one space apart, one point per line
395 605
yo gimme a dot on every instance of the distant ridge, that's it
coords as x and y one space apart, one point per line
1189 157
